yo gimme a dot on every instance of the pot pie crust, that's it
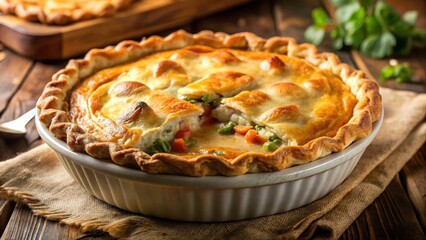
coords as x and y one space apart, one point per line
60 12
93 103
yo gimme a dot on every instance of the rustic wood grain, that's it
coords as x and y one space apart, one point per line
413 177
394 210
36 227
26 96
13 70
6 210
389 217
292 17
251 17
25 99
36 46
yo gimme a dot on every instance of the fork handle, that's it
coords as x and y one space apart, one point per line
24 119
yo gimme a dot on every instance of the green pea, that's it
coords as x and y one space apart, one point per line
278 141
274 138
227 128
269 146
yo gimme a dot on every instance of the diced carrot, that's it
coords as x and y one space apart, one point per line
253 137
178 145
242 130
185 134
184 131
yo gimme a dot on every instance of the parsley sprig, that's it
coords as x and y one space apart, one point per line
401 72
373 27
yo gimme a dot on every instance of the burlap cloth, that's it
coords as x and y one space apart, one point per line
36 178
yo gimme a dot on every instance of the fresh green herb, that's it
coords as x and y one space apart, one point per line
159 146
316 32
218 152
205 98
399 72
216 102
373 27
226 128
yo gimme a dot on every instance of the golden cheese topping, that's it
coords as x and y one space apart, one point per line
199 89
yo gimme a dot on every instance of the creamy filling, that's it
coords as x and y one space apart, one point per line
168 132
228 146
226 114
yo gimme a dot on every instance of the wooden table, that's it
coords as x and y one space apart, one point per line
399 212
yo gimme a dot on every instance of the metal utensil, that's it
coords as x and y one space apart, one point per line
16 128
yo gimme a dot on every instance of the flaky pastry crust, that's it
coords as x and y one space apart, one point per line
54 12
54 107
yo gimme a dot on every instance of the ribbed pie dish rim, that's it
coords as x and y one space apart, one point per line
225 188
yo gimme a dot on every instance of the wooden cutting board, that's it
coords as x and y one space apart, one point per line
43 42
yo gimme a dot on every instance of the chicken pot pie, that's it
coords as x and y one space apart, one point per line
62 12
209 104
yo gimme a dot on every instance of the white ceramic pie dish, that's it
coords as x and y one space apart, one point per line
209 198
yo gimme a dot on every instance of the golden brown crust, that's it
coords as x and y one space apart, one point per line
220 84
287 89
283 113
247 100
274 64
225 57
165 66
56 12
53 106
